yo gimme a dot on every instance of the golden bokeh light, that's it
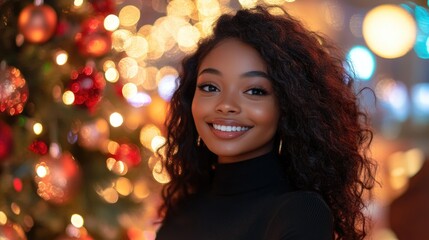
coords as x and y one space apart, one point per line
116 119
157 143
160 174
3 218
136 47
111 75
77 220
129 90
119 37
389 31
128 67
141 190
123 186
37 128
61 57
129 16
111 22
147 133
68 97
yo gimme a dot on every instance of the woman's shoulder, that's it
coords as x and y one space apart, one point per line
301 215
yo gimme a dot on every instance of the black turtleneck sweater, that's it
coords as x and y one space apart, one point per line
250 200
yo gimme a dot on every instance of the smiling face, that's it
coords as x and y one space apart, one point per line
234 107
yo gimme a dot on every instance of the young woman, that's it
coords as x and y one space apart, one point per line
265 137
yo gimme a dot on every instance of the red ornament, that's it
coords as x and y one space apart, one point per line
39 147
6 142
128 153
93 40
37 23
13 90
57 179
87 86
104 7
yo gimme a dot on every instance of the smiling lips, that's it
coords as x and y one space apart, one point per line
228 131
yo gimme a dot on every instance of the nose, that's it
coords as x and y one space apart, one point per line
228 103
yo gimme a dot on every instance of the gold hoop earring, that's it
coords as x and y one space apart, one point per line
280 147
199 141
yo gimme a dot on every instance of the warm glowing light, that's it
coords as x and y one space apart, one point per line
116 119
112 147
188 36
129 90
136 47
248 3
61 57
78 3
128 67
160 174
149 82
37 128
15 208
157 142
389 31
123 186
129 15
111 75
111 22
68 97
3 218
77 220
141 190
41 170
147 133
108 64
119 37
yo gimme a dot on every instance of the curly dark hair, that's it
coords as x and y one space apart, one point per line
325 135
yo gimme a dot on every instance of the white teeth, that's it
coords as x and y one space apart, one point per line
224 128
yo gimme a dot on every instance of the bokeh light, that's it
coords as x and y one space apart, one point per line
362 62
116 119
61 57
129 15
77 220
111 22
420 100
389 31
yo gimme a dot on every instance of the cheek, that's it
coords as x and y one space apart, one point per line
267 115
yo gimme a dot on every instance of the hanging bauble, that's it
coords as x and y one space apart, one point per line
57 179
103 7
87 86
128 153
6 140
12 231
93 40
38 147
13 90
37 23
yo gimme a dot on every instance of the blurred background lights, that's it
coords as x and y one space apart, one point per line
389 31
111 75
129 90
3 218
38 128
111 22
394 97
68 97
157 142
77 220
129 16
420 99
362 62
139 99
116 119
421 46
166 87
61 57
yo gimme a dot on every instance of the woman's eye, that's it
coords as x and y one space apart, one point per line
208 88
256 91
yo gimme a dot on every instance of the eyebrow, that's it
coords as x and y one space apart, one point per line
246 74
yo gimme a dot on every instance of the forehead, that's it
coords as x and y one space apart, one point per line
232 54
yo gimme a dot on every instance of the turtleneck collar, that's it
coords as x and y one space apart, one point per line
247 175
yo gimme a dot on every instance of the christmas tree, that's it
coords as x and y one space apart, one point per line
84 88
